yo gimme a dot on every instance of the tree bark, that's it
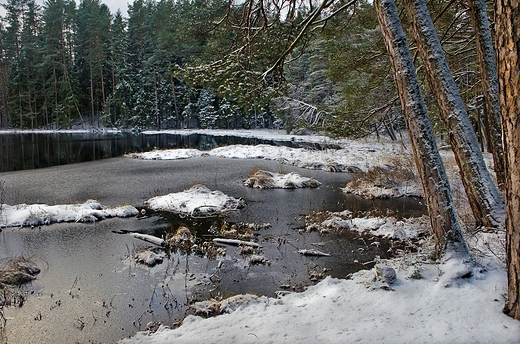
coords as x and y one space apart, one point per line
489 79
174 96
443 216
483 196
508 49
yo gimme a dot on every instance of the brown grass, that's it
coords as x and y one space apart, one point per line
393 172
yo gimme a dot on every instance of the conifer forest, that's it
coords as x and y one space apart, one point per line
213 64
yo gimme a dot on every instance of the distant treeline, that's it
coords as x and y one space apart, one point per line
64 64
212 64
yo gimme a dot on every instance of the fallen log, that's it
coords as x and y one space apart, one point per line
315 253
235 242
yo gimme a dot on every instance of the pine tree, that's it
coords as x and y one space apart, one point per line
443 215
93 26
116 110
508 49
4 77
59 87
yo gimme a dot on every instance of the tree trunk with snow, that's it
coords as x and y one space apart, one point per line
508 47
483 196
489 79
443 216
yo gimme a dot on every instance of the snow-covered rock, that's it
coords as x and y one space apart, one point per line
197 201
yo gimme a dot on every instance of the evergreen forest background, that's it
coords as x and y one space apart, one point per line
197 63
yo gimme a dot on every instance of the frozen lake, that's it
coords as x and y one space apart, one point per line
90 288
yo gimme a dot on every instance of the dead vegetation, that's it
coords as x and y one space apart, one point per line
17 271
14 273
262 179
239 230
217 306
396 178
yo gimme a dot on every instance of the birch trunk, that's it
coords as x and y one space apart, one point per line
489 79
508 47
483 196
443 216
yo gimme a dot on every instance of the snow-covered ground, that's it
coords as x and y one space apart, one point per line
354 156
349 311
424 304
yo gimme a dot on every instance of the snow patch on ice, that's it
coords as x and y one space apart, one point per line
24 215
385 227
196 201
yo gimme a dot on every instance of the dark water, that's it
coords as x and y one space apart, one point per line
24 151
92 291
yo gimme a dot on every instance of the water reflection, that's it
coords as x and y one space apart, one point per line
25 151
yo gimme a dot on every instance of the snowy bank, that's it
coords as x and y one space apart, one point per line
196 201
412 310
354 156
42 214
264 134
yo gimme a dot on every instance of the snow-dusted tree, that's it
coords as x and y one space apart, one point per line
93 27
483 196
489 80
4 119
60 101
508 46
443 215
207 113
23 88
115 112
361 73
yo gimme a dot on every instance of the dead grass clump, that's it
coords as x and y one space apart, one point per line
239 230
14 273
17 271
182 238
386 176
396 178
260 179
269 180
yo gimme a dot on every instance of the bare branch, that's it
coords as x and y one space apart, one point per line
308 22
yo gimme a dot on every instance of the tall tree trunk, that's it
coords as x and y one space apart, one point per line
508 47
92 113
156 100
102 79
177 118
489 79
3 95
483 196
443 216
